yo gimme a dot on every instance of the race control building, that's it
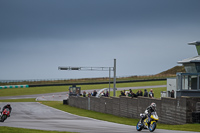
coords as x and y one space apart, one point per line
187 84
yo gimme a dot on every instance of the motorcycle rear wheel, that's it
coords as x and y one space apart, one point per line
139 126
152 127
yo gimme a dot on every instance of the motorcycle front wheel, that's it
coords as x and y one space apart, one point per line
139 126
3 118
152 127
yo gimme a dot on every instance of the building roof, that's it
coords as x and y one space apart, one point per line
194 43
190 60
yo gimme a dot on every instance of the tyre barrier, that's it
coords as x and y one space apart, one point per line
14 86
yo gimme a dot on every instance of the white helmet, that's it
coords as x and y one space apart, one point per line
153 106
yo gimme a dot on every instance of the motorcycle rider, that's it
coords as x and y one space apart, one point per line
7 106
148 111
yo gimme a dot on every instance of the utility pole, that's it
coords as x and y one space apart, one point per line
114 82
109 80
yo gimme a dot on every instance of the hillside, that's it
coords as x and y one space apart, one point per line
173 71
165 74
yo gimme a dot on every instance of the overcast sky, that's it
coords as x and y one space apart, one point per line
144 36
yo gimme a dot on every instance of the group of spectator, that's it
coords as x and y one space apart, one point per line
94 93
130 93
105 94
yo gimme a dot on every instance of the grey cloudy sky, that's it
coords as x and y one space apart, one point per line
145 36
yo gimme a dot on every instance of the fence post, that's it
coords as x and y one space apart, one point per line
88 103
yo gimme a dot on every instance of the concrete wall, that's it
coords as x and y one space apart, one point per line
170 110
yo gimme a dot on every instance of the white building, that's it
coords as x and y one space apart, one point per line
187 84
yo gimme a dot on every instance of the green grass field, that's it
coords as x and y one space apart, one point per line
86 113
22 130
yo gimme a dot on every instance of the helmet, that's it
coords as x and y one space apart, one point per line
8 105
153 106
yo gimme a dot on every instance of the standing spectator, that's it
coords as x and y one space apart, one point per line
107 94
145 93
84 94
139 93
133 95
130 93
122 93
89 94
94 93
151 94
172 94
103 94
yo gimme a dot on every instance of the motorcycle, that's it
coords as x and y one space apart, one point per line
4 115
147 124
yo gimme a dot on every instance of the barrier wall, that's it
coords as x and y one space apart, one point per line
169 110
14 86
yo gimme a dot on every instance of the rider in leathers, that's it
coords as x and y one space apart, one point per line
7 106
148 111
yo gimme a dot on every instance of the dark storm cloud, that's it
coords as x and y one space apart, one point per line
36 36
81 18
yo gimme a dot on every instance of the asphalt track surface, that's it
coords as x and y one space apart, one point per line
33 115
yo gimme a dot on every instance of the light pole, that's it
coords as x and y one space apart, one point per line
114 82
97 69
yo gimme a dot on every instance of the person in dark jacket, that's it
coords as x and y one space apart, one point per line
139 93
94 93
107 93
122 93
145 93
172 94
84 94
133 95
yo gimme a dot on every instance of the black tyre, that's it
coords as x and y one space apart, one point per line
139 126
3 118
152 127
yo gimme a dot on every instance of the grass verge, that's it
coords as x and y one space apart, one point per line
22 130
19 100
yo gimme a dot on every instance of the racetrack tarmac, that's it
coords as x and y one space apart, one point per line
33 115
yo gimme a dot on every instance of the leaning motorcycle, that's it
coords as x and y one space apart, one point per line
4 115
147 124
